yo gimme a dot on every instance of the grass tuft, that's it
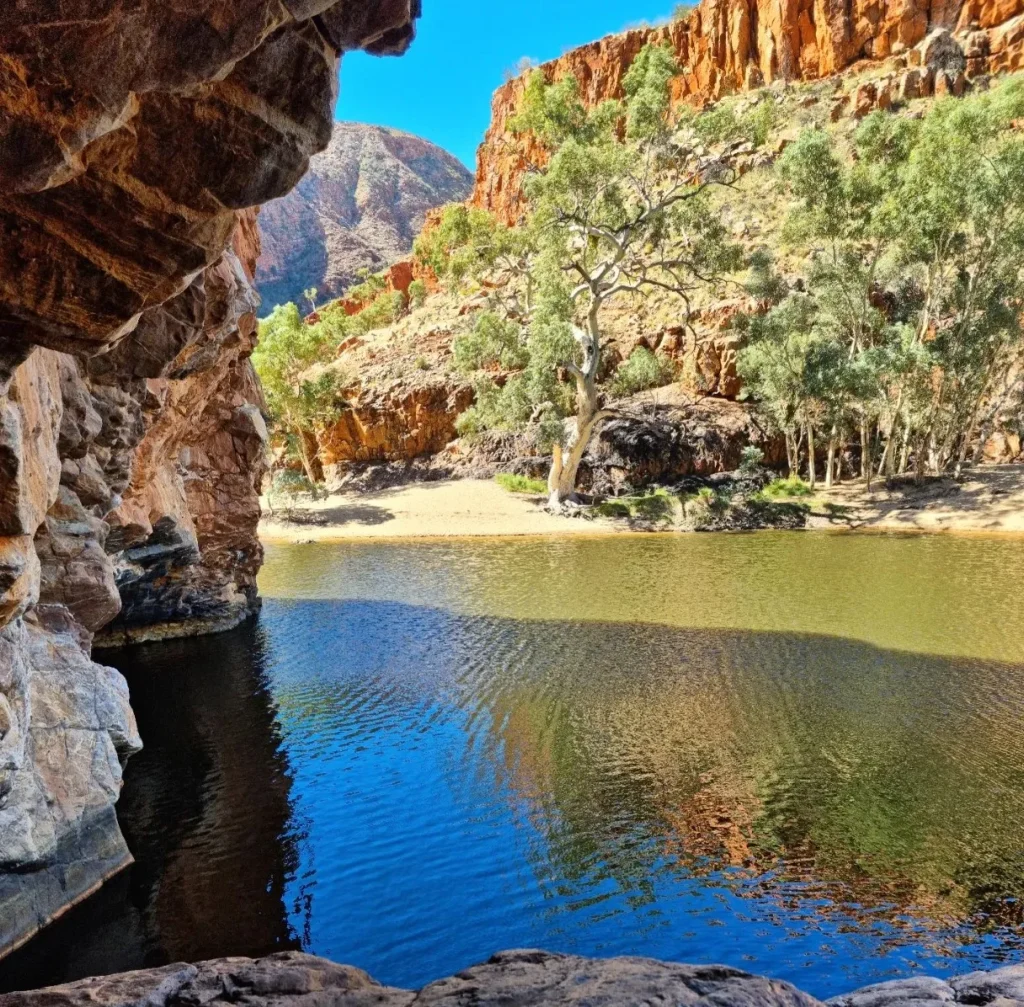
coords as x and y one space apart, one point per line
521 484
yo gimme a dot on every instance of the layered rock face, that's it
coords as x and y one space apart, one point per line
135 141
361 205
526 978
731 45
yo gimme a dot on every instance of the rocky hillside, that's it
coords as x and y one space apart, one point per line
726 46
403 408
361 204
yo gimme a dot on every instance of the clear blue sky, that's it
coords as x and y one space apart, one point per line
441 89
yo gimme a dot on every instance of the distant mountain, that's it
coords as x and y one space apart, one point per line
361 204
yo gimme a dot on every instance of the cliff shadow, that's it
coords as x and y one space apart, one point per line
205 810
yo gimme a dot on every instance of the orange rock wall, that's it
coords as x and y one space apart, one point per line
732 45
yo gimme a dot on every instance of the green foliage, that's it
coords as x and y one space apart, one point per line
417 293
682 11
751 458
782 488
373 286
422 364
724 123
612 509
910 323
290 484
640 371
287 350
521 484
612 203
492 341
706 507
656 507
467 242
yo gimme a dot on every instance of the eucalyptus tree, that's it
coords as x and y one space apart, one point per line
618 207
299 399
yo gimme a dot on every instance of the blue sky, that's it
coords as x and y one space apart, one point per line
441 89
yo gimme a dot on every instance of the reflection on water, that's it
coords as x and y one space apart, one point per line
795 754
205 811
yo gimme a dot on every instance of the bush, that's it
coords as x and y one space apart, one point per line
793 487
521 484
641 371
657 507
417 293
751 459
613 509
492 341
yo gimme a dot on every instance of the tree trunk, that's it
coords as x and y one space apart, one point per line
308 447
830 463
812 475
865 454
792 454
565 462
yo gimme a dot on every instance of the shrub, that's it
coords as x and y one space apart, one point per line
657 507
288 482
705 506
417 293
521 484
792 487
422 364
613 509
640 371
751 459
493 340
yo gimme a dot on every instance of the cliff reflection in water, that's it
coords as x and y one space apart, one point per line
205 810
810 807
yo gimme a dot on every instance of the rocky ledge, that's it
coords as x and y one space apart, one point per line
524 978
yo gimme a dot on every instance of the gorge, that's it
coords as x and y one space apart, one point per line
132 435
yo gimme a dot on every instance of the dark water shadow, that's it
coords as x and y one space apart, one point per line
205 810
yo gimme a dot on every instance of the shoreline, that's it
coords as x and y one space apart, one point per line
989 502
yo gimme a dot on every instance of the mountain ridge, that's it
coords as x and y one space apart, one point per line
361 205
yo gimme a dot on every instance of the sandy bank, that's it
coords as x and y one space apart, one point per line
423 510
990 500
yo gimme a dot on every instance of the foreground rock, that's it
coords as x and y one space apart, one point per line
135 146
524 978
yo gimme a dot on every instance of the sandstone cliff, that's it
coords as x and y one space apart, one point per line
732 45
133 145
361 205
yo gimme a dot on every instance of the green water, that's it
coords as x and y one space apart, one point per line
798 754
943 595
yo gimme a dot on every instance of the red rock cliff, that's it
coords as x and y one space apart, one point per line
730 45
